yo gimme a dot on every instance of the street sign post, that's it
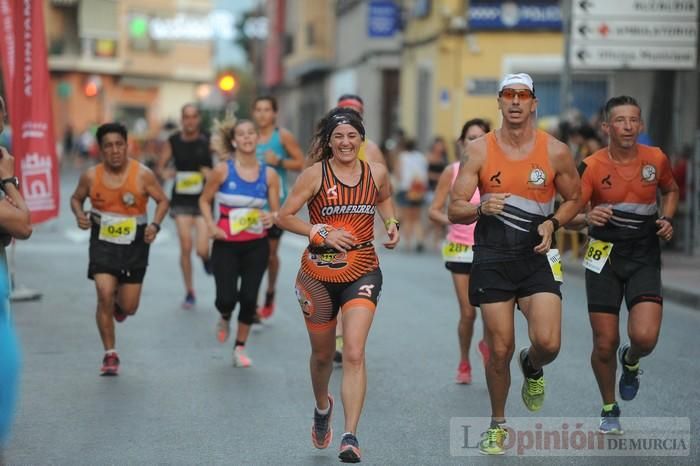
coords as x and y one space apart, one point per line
634 34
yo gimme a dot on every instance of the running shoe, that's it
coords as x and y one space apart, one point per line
223 330
207 266
110 364
338 357
629 379
464 373
492 441
349 449
321 430
484 350
269 308
189 301
610 421
119 314
533 388
240 358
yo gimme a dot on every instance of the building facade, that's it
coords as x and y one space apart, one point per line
317 50
133 61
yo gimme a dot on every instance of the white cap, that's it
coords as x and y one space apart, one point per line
519 78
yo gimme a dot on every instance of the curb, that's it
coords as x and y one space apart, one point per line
670 293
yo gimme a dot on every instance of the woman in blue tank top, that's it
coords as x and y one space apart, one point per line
242 186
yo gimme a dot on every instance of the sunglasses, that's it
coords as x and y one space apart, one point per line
523 94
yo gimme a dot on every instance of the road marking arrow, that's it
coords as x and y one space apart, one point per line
585 5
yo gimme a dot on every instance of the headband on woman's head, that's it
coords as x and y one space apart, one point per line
344 119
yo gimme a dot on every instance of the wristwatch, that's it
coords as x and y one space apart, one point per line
13 179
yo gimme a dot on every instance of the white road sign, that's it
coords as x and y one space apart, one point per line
634 34
669 32
633 57
629 9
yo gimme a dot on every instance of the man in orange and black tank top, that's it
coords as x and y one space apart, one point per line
519 170
340 268
623 256
120 235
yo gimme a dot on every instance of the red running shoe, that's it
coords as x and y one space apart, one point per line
269 308
110 364
464 373
119 315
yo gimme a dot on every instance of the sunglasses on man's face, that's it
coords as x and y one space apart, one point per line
523 94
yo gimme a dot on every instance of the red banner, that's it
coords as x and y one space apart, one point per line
7 42
28 85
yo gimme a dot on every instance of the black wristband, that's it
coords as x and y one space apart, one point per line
667 219
156 225
555 222
479 213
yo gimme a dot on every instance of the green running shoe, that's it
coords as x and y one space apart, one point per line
533 388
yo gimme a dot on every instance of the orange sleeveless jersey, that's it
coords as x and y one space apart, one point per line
630 190
127 200
513 233
351 208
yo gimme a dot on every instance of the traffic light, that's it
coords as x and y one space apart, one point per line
93 85
227 83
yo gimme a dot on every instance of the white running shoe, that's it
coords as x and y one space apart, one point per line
240 358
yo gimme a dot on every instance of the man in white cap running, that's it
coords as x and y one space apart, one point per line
519 171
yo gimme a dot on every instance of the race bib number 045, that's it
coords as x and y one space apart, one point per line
240 220
189 182
456 252
117 230
597 253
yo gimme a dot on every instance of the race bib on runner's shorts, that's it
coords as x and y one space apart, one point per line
597 253
554 260
240 220
456 252
189 182
117 230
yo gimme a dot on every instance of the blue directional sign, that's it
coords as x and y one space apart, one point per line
514 15
383 18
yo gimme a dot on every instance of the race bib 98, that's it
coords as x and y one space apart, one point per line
117 230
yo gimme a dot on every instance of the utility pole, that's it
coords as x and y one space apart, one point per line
565 79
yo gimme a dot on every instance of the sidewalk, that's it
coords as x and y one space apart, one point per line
680 275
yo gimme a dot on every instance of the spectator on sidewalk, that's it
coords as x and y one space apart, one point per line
437 161
15 222
412 173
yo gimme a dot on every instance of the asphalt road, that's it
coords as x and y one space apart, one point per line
178 399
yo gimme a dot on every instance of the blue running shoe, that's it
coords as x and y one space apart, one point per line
629 380
349 449
610 421
321 430
189 301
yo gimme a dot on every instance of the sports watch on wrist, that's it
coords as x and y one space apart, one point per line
13 180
